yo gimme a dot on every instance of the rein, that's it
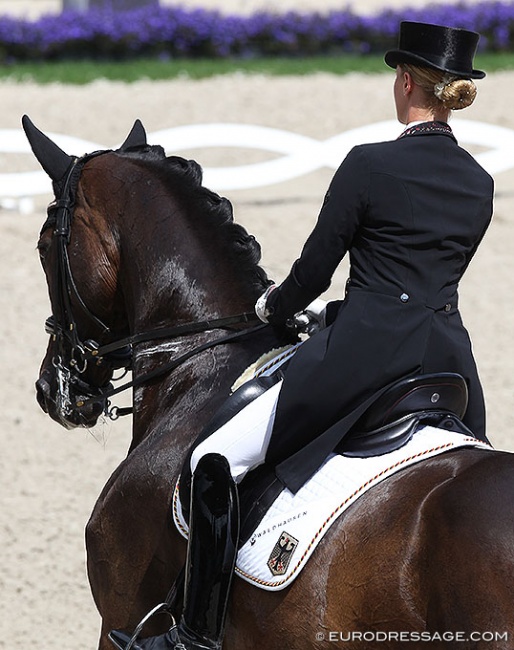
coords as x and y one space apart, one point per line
173 364
97 351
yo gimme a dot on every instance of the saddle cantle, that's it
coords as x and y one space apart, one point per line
438 399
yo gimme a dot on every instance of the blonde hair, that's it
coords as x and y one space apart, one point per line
441 88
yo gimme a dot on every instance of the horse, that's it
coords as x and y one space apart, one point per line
144 264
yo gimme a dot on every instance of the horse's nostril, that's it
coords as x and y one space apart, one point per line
42 393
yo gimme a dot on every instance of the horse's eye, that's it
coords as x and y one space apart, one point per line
42 248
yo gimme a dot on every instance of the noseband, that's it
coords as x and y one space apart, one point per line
62 326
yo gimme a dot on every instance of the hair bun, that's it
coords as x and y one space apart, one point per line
455 93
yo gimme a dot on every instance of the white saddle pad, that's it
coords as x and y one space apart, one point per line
295 524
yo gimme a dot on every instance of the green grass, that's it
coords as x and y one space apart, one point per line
83 72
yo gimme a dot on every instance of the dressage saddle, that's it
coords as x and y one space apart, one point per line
439 400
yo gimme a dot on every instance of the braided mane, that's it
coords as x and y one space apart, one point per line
213 211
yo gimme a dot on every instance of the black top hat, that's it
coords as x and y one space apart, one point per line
447 49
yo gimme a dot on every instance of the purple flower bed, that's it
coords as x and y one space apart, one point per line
173 32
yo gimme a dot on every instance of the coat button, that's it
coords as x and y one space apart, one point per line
447 307
404 297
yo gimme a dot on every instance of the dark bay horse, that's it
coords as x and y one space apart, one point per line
134 243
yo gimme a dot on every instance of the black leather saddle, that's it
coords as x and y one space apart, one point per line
439 400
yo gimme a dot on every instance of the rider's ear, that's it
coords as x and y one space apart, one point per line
136 137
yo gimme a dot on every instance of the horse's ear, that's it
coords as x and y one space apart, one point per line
136 137
52 158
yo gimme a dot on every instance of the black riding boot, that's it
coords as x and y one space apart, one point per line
211 555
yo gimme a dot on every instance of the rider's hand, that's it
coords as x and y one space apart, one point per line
260 306
313 318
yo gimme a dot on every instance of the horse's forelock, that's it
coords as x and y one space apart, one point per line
143 151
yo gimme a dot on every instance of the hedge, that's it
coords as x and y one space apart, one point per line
176 32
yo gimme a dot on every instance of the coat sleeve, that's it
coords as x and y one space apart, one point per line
343 210
485 213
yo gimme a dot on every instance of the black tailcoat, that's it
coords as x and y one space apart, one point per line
411 214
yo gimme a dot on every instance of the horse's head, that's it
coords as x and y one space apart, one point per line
133 242
80 258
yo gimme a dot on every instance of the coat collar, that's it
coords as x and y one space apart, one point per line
424 128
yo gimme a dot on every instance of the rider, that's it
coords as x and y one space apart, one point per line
411 213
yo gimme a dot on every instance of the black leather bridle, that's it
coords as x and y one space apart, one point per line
73 354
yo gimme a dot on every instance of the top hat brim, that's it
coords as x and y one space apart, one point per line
395 57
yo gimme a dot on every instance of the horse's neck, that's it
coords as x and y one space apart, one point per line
169 278
182 402
172 285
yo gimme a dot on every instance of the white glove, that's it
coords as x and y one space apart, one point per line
260 306
313 318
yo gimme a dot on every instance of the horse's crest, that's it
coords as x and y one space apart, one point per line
282 553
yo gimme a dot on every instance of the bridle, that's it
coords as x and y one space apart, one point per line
73 355
70 361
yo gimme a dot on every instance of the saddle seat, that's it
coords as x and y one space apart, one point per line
403 426
421 403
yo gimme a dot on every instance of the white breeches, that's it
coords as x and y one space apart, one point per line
244 439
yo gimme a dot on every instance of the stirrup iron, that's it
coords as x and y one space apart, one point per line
162 608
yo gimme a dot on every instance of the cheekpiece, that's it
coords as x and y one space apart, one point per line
448 49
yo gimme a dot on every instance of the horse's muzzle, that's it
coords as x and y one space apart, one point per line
68 418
